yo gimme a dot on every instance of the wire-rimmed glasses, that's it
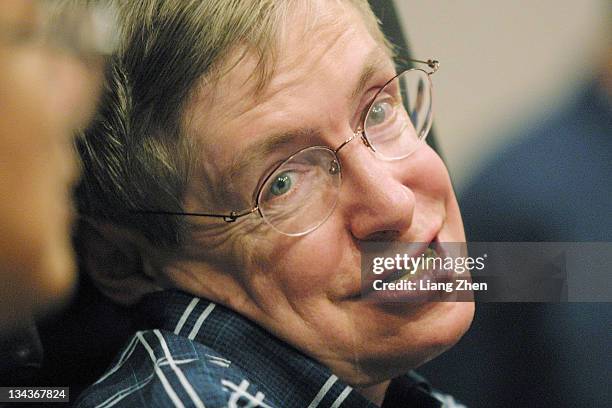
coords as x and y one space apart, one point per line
300 193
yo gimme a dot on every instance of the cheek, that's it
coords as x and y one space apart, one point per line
433 185
299 268
428 175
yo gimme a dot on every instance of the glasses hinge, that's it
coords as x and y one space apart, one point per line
433 64
231 217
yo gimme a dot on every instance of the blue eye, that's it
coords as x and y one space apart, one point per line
281 184
379 113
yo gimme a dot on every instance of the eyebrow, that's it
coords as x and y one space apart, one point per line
256 153
376 60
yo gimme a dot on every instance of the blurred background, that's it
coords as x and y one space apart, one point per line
503 65
523 118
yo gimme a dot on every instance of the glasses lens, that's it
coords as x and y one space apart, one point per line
400 116
302 192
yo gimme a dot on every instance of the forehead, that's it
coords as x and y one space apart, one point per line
320 54
312 37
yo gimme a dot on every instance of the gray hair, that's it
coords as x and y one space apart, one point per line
135 154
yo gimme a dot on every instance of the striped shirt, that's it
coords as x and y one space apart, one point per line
195 353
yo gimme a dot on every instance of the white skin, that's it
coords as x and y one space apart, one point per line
305 289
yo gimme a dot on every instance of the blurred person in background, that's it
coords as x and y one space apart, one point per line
50 76
553 184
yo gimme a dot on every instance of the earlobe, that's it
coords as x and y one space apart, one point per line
114 259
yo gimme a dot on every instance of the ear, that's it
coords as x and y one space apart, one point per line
115 259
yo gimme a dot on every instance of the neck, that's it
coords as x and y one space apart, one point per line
375 393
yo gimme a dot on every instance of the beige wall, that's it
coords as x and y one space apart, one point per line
502 64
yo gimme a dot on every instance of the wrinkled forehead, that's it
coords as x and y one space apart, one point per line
309 32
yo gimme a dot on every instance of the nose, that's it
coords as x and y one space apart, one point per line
377 205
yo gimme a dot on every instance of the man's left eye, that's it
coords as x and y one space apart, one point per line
380 112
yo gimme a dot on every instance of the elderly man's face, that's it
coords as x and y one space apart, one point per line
306 289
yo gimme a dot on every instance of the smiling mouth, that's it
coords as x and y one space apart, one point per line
409 279
413 275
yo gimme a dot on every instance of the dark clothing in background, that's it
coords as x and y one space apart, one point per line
555 184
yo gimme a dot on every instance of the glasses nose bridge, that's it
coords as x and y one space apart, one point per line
358 133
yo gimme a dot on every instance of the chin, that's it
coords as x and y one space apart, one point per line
454 319
437 328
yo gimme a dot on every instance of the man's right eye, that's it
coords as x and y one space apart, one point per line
381 112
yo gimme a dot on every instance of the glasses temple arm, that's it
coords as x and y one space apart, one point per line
231 217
